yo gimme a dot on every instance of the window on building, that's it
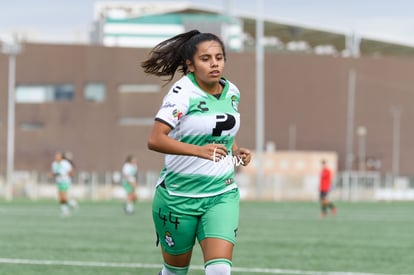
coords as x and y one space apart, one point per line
31 126
44 93
136 121
139 88
95 92
63 92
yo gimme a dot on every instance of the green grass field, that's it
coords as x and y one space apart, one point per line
273 238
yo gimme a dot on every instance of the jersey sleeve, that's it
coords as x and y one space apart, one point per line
174 106
125 169
234 94
67 166
54 168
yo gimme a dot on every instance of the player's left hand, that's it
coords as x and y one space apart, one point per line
244 155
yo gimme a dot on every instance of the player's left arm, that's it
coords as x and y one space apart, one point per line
70 169
242 153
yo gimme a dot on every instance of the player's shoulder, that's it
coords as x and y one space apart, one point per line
66 162
233 89
182 91
182 86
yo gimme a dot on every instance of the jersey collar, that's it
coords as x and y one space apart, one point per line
223 82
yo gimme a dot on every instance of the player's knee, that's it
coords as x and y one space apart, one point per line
218 267
173 270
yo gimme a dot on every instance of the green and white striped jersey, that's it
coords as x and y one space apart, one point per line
129 172
61 171
197 117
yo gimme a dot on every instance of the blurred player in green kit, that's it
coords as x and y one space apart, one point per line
62 171
129 182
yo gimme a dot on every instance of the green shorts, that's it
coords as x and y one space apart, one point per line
63 186
128 187
179 220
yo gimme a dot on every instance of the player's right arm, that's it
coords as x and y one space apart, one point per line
54 171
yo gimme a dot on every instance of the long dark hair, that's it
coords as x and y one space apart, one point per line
129 158
170 55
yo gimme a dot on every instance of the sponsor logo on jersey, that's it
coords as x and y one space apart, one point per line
177 89
168 105
234 103
200 106
177 113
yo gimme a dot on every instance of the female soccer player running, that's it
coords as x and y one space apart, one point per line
62 171
196 195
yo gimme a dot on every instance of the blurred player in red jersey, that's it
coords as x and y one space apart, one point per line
324 188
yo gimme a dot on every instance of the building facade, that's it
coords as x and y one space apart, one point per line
97 103
144 25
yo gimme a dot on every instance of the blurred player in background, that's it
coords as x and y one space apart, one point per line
196 195
129 182
62 171
324 188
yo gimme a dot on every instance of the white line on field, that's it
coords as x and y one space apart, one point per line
197 267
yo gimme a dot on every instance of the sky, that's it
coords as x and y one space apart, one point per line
69 21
